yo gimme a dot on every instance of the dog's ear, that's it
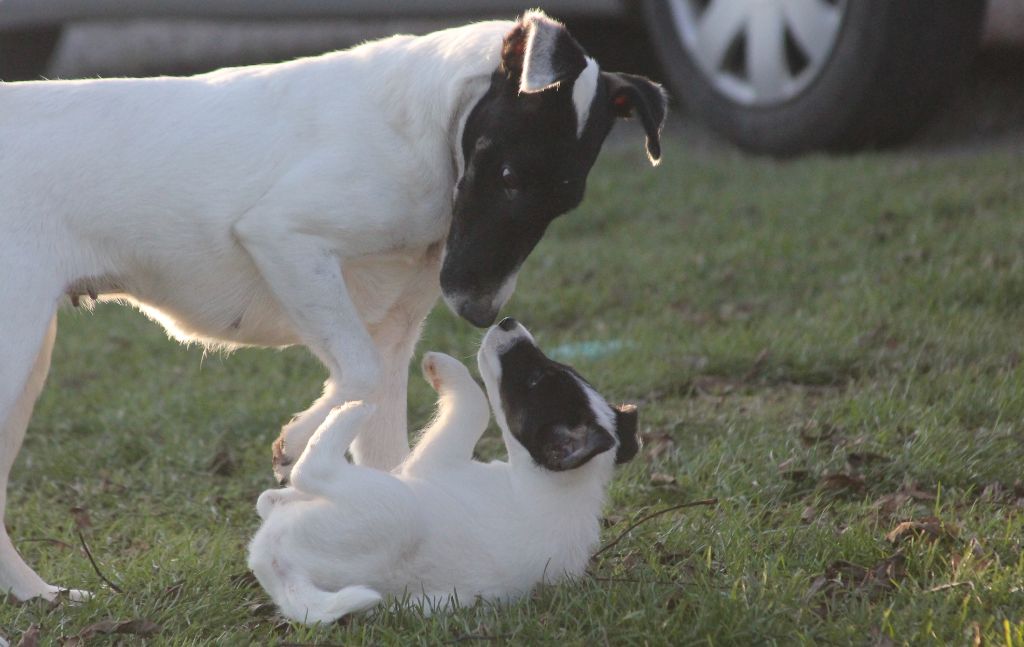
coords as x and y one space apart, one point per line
539 53
631 94
626 419
568 448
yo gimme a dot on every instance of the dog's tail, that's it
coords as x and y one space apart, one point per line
305 603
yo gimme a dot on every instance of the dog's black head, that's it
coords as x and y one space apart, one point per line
547 407
528 146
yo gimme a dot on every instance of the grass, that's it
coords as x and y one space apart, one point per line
827 346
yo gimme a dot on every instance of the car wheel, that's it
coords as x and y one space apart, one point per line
25 53
790 76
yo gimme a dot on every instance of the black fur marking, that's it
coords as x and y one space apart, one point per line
568 59
626 419
548 411
495 228
631 93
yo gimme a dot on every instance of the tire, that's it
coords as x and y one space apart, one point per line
25 53
886 68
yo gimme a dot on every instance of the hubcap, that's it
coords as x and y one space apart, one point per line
759 52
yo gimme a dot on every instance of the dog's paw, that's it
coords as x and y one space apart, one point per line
280 461
57 594
440 370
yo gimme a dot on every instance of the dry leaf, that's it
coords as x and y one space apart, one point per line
223 463
789 470
660 478
917 493
843 577
612 520
857 460
658 444
30 638
841 482
809 438
136 627
244 580
809 514
889 504
929 527
81 517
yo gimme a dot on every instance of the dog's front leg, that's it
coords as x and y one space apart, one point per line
303 272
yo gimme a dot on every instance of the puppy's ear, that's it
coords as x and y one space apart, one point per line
539 53
631 94
569 448
626 419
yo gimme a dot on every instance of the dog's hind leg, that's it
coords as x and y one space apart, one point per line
22 388
323 461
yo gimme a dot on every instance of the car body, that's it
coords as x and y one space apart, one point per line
783 77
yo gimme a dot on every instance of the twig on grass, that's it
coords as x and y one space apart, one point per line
646 518
95 567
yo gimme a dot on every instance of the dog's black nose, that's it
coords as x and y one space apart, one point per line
508 323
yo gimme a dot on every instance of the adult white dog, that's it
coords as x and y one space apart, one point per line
442 528
320 202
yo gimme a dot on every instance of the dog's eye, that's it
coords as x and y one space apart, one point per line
510 180
533 380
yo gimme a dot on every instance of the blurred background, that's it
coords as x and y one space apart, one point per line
777 77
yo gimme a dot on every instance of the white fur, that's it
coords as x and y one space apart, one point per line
299 203
442 529
583 92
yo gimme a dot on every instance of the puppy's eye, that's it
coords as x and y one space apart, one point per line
510 180
533 380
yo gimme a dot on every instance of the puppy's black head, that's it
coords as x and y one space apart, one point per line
528 146
547 407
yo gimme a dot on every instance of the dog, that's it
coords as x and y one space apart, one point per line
325 201
442 529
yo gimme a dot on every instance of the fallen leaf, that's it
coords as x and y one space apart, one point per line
136 627
974 634
30 638
843 577
261 609
809 438
973 557
857 460
841 482
612 520
660 479
81 517
917 493
713 385
658 444
223 463
758 365
788 470
929 527
889 504
244 580
879 639
809 514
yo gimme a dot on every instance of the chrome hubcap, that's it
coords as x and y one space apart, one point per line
759 52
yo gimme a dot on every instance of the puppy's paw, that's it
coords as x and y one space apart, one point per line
441 370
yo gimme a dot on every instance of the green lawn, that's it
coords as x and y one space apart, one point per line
829 347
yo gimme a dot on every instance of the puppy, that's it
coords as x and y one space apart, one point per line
442 528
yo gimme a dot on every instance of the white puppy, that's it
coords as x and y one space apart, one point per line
442 528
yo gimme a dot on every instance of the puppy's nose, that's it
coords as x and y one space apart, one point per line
508 323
